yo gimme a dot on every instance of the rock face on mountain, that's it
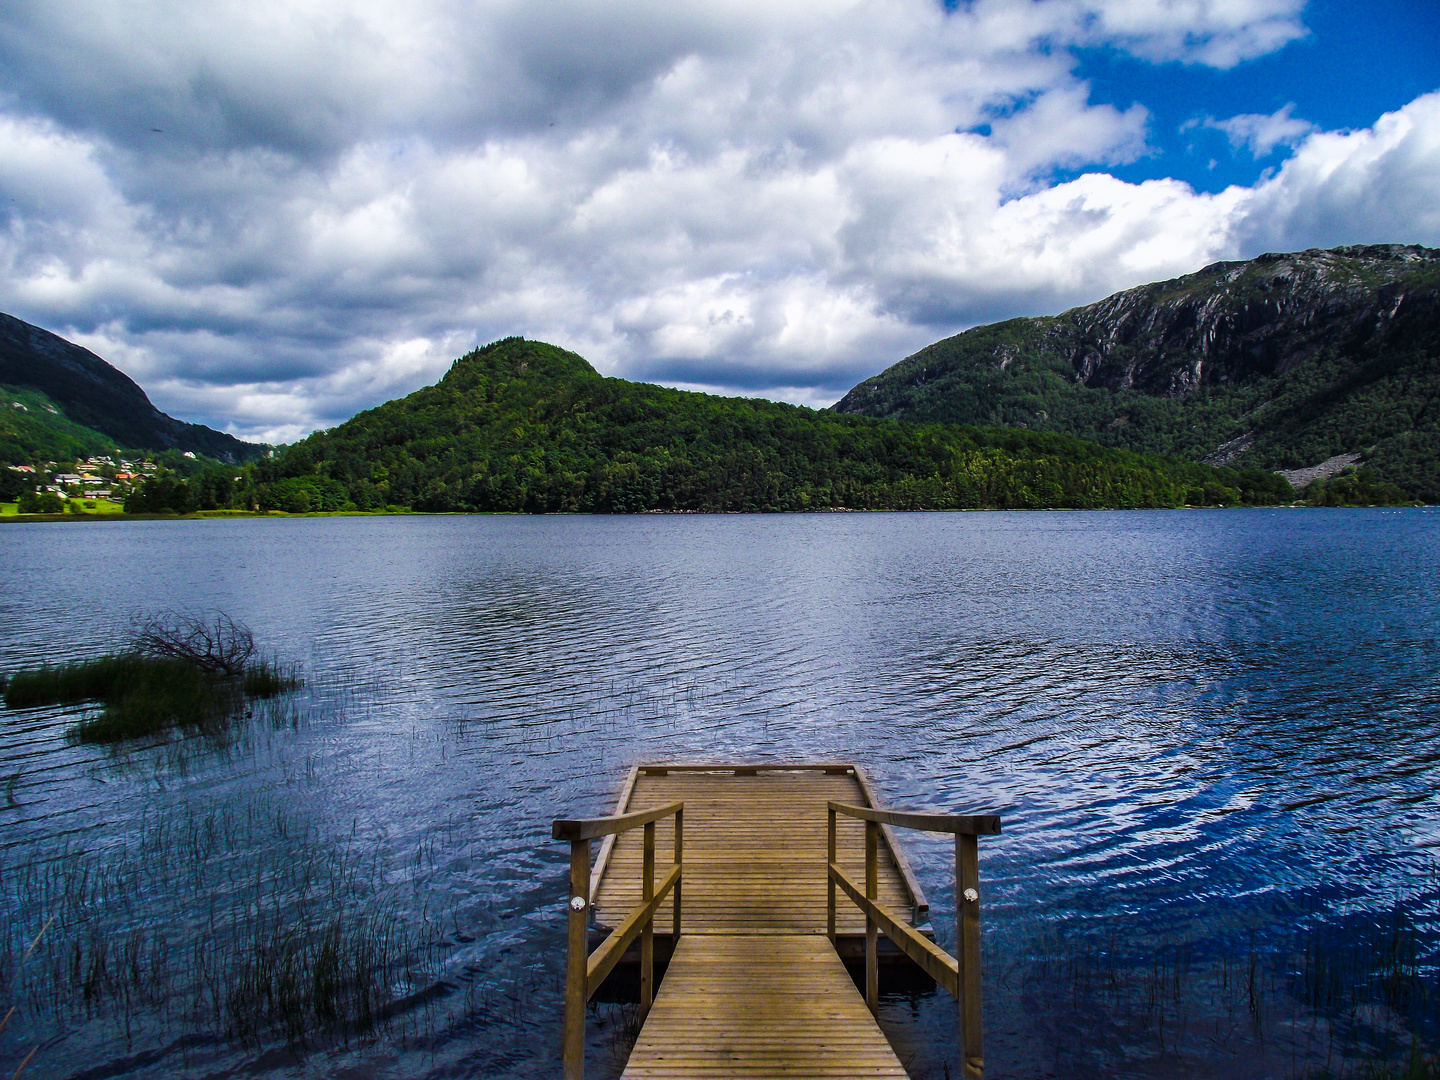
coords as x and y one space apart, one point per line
1285 362
96 395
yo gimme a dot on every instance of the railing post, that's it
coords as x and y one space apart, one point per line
577 992
967 952
647 936
872 931
830 891
679 858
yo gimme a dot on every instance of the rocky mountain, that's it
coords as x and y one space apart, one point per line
90 394
1306 363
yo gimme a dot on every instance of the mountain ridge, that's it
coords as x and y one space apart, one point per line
96 395
1283 362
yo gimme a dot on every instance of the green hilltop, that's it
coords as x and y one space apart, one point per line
524 426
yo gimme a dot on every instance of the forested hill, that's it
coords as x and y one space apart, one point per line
521 425
1281 362
87 406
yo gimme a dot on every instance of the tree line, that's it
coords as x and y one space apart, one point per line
522 426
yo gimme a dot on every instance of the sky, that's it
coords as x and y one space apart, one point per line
274 214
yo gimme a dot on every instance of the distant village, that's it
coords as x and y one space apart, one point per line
109 478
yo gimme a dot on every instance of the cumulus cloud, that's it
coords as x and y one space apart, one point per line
775 198
1260 133
1376 185
1218 33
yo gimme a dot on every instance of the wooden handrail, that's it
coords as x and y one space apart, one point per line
593 828
935 961
584 973
958 824
919 905
603 959
960 976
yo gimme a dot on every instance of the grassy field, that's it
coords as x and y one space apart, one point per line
94 506
73 508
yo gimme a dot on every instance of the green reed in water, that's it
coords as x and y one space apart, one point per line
147 695
183 674
255 927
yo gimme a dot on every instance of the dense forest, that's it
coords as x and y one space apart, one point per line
1187 392
524 426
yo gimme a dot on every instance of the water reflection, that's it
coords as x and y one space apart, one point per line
1210 735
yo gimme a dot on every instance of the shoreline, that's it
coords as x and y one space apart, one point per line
220 515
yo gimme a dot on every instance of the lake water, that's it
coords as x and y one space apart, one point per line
1211 736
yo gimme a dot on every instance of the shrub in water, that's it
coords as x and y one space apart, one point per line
186 674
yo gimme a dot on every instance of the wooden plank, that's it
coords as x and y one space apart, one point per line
751 768
740 1006
755 848
607 845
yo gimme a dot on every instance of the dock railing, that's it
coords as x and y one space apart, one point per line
585 971
959 976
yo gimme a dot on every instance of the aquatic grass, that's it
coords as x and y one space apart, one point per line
66 684
1417 1065
1334 996
145 695
267 679
327 977
264 929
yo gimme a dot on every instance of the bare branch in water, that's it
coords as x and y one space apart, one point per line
221 645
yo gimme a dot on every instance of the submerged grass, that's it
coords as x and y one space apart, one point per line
145 695
1337 997
256 927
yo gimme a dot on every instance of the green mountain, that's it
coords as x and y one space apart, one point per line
1284 362
32 428
524 426
85 394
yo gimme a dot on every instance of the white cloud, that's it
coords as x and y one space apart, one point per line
1220 33
772 198
1377 185
1261 133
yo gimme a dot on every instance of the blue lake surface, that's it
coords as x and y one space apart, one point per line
1213 738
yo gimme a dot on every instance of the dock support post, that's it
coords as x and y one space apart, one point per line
576 960
679 859
967 951
647 936
872 929
830 884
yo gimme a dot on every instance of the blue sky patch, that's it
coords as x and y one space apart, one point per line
1359 60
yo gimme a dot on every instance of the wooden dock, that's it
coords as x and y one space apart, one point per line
762 900
754 852
756 1005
